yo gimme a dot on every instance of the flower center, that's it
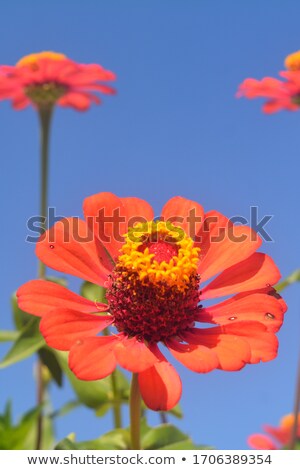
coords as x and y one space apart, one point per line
154 288
159 252
292 61
296 99
32 60
45 94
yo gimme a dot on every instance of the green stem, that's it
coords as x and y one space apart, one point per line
45 115
116 401
135 413
116 396
294 434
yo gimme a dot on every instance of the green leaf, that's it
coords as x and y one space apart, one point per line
65 409
94 394
62 281
28 342
47 435
6 336
66 444
103 409
166 436
6 418
291 279
16 437
118 439
93 292
49 360
176 411
20 317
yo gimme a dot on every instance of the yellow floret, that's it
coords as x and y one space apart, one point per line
176 272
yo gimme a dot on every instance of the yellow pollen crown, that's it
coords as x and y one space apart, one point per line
292 61
288 421
32 60
175 272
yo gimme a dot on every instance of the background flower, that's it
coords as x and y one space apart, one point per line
49 78
280 94
275 437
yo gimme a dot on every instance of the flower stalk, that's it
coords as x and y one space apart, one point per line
45 115
116 401
294 433
135 413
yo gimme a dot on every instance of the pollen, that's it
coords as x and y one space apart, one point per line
292 61
159 253
287 421
32 60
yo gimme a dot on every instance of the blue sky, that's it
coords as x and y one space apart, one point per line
174 128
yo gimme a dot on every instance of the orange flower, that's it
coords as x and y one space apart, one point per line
280 94
156 275
48 78
276 438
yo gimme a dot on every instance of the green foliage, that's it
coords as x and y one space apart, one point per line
176 411
62 281
7 336
65 409
163 437
49 360
29 341
291 279
93 292
21 318
167 436
96 394
22 436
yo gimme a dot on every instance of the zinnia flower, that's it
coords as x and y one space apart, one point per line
276 438
49 78
280 94
156 275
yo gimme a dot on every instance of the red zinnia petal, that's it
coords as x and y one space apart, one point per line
184 213
93 358
69 247
261 307
224 244
260 441
106 216
39 297
254 272
109 216
193 356
77 100
134 355
232 351
62 327
282 435
160 385
263 344
137 210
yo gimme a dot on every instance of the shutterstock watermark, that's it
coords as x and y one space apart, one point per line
110 227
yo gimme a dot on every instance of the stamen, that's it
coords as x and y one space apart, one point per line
32 60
